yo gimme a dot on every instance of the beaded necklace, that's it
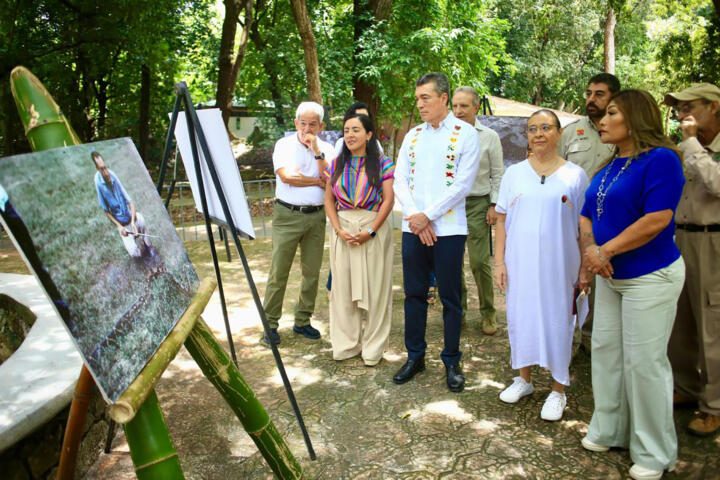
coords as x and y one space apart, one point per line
602 191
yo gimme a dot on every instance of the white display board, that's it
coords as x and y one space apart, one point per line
212 125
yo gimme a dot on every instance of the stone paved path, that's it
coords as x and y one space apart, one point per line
365 427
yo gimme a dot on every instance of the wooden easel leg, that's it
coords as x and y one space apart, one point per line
151 447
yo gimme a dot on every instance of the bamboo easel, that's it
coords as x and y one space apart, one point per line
137 409
151 447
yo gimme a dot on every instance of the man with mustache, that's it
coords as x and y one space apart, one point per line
580 143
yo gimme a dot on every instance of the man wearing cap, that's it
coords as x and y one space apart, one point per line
298 219
694 348
580 143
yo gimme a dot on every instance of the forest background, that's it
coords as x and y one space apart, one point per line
111 66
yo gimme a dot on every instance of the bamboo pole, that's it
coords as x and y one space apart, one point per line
75 424
222 372
45 125
45 128
151 447
123 410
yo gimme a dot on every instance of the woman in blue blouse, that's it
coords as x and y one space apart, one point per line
627 228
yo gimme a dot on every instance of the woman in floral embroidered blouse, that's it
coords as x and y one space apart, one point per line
358 199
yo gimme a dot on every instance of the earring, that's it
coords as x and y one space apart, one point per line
629 132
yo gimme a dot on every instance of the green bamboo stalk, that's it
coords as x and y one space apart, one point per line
124 409
46 127
217 366
151 447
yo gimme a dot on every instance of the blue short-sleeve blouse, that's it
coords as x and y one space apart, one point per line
652 182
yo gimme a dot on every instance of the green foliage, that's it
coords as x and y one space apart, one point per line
686 36
553 46
464 40
89 54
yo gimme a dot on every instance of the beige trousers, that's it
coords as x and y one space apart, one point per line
362 281
694 348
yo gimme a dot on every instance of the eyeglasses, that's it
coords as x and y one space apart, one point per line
544 128
684 109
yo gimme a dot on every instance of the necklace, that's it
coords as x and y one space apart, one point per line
544 172
602 191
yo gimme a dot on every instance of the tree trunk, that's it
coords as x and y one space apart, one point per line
610 22
538 95
716 3
312 72
14 140
144 126
380 10
242 48
102 100
226 85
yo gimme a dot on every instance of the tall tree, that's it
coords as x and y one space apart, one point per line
312 71
365 14
229 60
609 37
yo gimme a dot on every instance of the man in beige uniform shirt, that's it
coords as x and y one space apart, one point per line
580 143
480 205
694 348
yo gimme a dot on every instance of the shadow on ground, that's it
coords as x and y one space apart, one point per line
365 427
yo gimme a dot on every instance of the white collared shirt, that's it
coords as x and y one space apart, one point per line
434 172
295 157
490 167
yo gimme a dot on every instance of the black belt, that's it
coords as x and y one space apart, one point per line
300 208
691 227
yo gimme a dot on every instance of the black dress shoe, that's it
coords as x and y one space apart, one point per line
409 370
455 379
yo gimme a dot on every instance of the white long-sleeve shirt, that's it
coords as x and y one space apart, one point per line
435 169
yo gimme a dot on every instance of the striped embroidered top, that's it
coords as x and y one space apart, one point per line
352 188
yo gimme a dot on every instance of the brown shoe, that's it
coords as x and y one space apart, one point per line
680 399
489 325
704 424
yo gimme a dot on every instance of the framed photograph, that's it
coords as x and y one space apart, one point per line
90 225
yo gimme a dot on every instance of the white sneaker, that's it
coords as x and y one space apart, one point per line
592 446
641 473
520 388
554 406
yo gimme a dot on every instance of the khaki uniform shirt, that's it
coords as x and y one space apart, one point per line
490 171
700 201
580 144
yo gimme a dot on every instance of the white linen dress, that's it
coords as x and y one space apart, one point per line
542 257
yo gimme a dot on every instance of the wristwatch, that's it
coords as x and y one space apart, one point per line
321 156
371 232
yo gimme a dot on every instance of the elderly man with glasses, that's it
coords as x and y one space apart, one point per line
298 219
694 348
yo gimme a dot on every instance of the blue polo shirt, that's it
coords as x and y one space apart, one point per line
113 198
652 182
